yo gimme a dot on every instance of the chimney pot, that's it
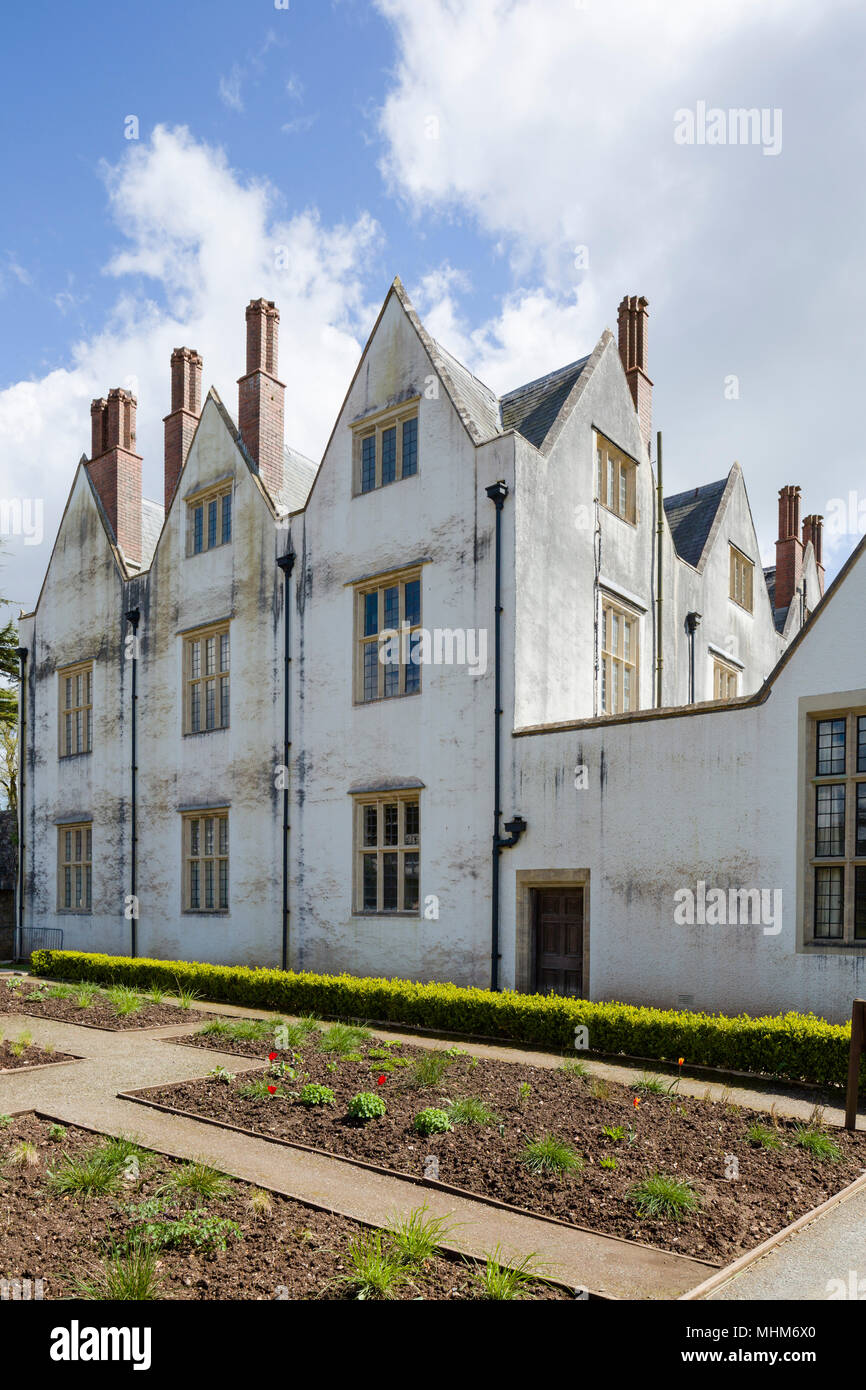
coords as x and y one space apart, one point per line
789 546
115 468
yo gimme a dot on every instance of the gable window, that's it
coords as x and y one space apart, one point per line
387 853
836 829
616 479
385 449
206 679
725 680
619 658
74 862
206 861
209 520
76 710
742 579
387 619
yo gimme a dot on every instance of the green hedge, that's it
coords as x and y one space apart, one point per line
796 1047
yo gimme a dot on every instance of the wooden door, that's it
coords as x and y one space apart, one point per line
559 940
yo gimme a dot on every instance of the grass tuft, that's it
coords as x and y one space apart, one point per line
550 1154
662 1197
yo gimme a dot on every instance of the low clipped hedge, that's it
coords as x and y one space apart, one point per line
795 1047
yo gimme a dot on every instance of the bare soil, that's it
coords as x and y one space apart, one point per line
746 1192
99 1013
291 1252
12 1060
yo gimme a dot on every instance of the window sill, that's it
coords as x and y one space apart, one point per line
67 757
74 911
387 916
386 699
197 733
205 912
827 944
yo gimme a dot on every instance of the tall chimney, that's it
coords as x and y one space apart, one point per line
633 319
115 468
789 547
180 424
813 530
260 395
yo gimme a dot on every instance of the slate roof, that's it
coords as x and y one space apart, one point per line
298 478
691 515
533 408
478 400
152 514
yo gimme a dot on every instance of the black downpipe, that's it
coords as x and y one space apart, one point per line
133 617
22 765
497 494
286 564
692 622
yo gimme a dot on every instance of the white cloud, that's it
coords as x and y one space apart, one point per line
230 89
207 241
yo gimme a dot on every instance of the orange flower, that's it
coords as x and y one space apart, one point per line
636 1102
680 1061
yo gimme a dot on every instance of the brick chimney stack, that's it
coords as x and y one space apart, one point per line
260 394
633 320
813 530
789 547
181 423
115 468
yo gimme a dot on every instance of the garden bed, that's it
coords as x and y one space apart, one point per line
22 1052
115 1009
726 1178
152 1227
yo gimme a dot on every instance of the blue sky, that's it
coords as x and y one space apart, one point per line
472 146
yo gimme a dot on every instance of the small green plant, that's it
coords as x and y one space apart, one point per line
21 1043
524 1091
599 1089
24 1155
607 1162
61 992
85 995
91 1174
332 1066
124 1000
56 1133
416 1237
469 1110
311 1094
199 1178
197 1228
223 1074
649 1085
5 1121
431 1121
259 1202
353 1057
819 1145
613 1132
378 1052
375 1269
342 1039
118 1149
763 1136
261 1090
456 1052
128 1274
187 997
236 1029
662 1197
427 1070
551 1155
572 1067
155 995
382 1066
366 1106
499 1281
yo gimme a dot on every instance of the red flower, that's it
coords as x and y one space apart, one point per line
381 1081
272 1090
636 1102
272 1056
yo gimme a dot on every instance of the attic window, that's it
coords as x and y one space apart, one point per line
385 449
208 520
742 579
616 480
